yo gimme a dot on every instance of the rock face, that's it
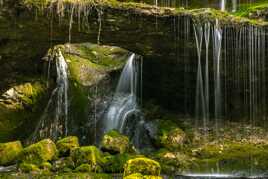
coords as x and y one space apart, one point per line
66 145
144 166
39 153
9 152
114 142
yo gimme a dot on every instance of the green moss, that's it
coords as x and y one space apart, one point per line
38 153
246 10
87 155
142 165
231 157
140 176
172 163
114 142
170 135
42 175
115 163
150 10
26 168
65 164
89 63
67 144
9 152
19 105
84 168
46 166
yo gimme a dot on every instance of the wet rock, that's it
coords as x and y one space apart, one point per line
67 144
114 142
144 166
9 152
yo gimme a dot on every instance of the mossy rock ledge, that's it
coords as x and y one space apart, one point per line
9 152
114 6
114 142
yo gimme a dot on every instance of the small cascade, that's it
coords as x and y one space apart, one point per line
125 102
54 120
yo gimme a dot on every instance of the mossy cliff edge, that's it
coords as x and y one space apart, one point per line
115 6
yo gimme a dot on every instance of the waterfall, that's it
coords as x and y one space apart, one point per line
62 83
125 100
200 100
217 63
223 3
234 5
54 120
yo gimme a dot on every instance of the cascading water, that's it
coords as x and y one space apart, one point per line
54 121
217 78
125 100
223 4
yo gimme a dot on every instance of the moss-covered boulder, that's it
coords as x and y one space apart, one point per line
40 152
9 152
63 165
114 142
67 144
142 165
140 176
87 155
